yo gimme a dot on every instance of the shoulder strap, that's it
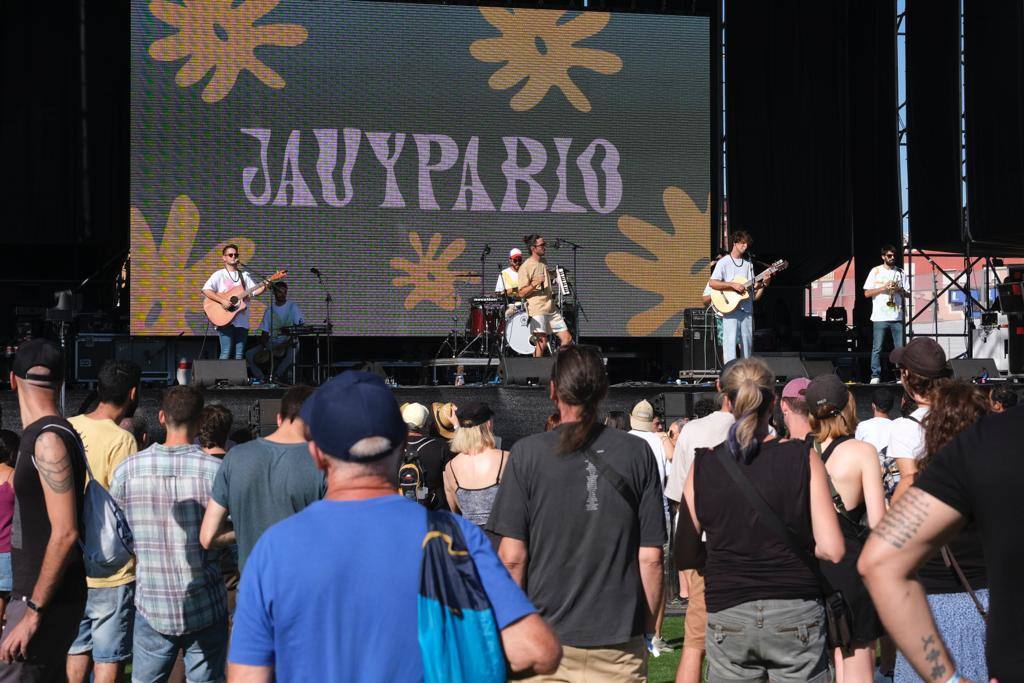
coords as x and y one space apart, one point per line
950 559
76 438
832 446
452 468
500 466
837 499
771 520
911 417
613 477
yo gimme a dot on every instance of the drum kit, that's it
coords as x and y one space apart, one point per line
498 325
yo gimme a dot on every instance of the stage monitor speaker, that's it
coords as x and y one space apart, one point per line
676 405
1015 344
521 370
785 366
211 373
91 352
973 368
816 368
263 416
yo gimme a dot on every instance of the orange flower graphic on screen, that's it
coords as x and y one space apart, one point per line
430 276
215 35
165 284
534 46
670 272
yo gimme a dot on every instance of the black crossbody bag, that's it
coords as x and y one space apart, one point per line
838 619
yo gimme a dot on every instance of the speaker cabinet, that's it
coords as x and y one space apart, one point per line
213 373
973 368
785 366
91 352
816 368
263 416
522 370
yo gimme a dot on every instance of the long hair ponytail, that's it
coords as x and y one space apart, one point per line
749 385
580 380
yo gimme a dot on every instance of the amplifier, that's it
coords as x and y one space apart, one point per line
91 352
697 318
700 350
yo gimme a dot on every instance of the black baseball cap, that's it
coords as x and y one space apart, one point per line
39 360
473 414
826 395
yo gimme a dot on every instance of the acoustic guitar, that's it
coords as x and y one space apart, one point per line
221 315
727 301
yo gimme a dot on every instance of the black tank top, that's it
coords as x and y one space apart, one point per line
745 559
31 529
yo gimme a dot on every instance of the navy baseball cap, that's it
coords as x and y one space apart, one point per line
351 407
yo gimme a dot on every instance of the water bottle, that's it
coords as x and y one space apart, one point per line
460 376
184 374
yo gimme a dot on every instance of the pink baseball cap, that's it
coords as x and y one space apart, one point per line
795 387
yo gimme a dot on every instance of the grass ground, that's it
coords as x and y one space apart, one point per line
663 669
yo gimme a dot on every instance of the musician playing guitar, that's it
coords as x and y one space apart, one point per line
730 267
234 333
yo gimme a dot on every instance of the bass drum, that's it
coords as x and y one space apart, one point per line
517 333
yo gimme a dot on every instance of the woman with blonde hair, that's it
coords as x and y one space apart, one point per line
855 480
765 617
472 477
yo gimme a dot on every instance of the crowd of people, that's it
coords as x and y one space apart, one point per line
801 539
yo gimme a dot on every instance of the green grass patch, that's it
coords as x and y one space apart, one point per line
663 669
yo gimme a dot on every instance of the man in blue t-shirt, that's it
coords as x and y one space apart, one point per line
331 593
735 273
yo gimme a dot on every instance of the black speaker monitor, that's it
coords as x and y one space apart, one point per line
785 366
210 373
973 368
526 370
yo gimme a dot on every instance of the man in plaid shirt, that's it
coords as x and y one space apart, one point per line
180 600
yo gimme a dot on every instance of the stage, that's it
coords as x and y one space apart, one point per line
519 411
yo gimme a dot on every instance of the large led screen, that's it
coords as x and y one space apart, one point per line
387 145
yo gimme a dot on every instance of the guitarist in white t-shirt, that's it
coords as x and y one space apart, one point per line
730 267
232 335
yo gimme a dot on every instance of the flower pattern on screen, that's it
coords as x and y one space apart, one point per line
534 46
430 276
165 284
669 271
215 35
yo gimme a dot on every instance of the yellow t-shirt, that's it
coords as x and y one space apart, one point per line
106 447
539 301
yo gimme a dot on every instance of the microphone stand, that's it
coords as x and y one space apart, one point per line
576 290
330 328
483 269
270 345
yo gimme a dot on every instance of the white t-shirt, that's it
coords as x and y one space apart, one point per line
654 441
288 314
705 432
906 438
880 309
875 431
727 270
223 281
508 280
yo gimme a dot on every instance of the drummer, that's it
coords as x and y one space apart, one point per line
508 279
282 313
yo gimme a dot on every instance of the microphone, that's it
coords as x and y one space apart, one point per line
487 249
557 244
315 271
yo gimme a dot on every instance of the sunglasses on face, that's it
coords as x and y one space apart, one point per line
231 255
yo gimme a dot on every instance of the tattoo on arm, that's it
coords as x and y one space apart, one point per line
53 464
931 649
904 518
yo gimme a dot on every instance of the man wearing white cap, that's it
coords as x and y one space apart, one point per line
508 279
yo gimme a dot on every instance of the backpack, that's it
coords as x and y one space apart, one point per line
107 542
410 477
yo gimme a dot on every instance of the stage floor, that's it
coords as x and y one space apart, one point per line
519 411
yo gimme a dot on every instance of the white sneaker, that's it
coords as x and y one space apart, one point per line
876 380
659 643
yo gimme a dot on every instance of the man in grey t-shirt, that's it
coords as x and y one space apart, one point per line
263 481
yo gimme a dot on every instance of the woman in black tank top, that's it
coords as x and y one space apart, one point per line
765 617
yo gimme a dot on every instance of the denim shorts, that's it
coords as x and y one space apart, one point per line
6 577
205 652
781 640
107 625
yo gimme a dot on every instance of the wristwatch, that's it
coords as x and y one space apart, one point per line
38 609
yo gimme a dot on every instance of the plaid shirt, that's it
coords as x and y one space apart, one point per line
164 492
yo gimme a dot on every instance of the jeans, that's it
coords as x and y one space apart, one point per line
106 627
232 342
205 652
742 321
281 365
895 327
781 640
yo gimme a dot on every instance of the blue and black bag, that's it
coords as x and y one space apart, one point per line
458 635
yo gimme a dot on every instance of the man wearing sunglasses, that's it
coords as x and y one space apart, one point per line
885 287
508 279
232 335
535 288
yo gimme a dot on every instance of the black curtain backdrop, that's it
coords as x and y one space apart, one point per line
811 132
994 108
933 124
